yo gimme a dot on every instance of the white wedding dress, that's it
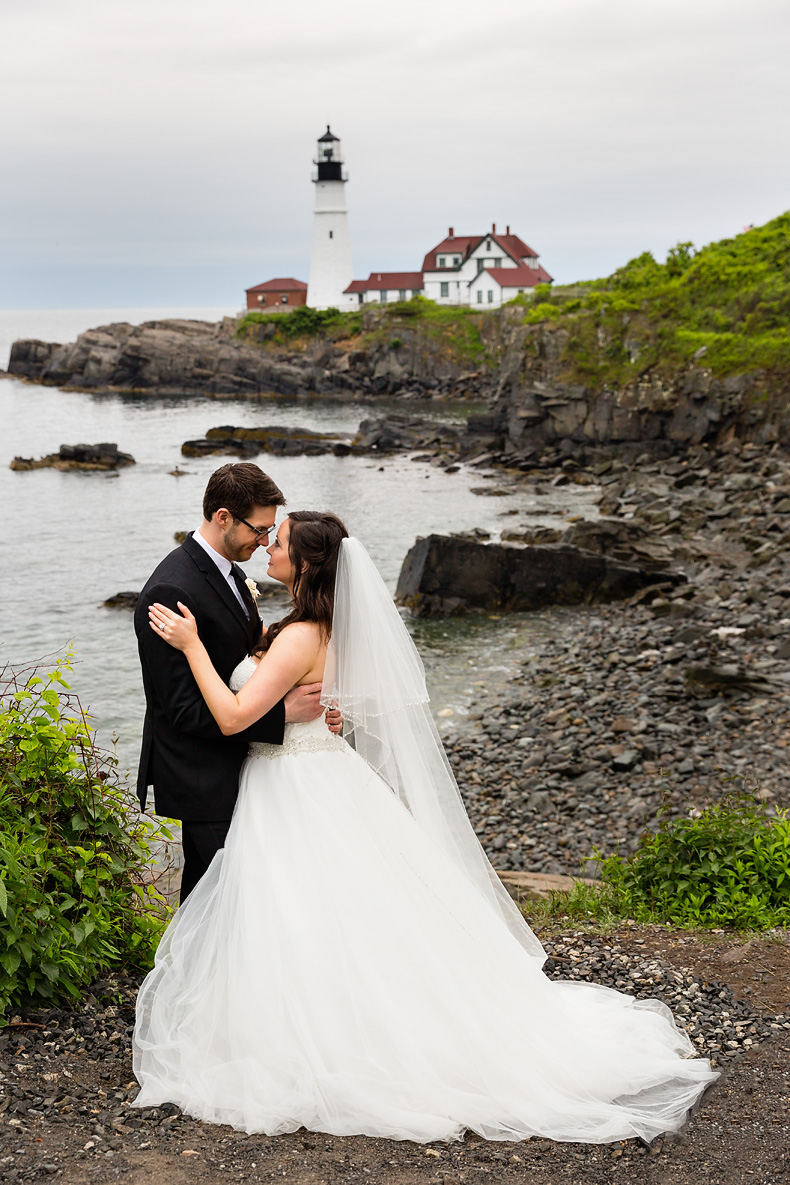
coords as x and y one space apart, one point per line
335 970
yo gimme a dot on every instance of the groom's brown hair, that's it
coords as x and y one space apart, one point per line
238 487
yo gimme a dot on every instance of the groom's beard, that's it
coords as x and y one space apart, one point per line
238 552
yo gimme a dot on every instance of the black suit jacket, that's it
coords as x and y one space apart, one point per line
193 768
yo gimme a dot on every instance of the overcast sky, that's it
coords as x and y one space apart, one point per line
156 152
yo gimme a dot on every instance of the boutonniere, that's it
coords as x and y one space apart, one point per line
253 587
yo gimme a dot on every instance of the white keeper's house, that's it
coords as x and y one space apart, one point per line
478 270
485 270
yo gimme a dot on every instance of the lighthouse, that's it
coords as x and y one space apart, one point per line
330 262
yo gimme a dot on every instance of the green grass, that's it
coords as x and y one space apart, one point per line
726 306
453 331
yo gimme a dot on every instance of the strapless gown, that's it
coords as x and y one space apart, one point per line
334 971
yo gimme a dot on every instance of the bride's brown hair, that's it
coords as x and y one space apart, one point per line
313 549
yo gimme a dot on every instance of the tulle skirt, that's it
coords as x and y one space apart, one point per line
334 971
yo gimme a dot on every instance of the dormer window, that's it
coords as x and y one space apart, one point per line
442 261
456 260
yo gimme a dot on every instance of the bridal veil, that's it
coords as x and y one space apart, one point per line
376 678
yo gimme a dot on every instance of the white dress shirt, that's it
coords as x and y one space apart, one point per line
224 566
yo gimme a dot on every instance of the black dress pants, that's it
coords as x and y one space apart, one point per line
201 842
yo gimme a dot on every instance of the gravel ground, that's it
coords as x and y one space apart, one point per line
67 1085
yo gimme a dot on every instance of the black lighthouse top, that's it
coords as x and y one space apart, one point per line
330 159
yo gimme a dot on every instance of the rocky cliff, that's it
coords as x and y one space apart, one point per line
536 407
359 358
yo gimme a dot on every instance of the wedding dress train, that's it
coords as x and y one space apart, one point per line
335 970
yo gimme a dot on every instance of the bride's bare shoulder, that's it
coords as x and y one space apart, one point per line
299 633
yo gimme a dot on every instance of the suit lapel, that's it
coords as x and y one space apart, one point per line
217 581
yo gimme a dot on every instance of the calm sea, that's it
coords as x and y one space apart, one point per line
70 540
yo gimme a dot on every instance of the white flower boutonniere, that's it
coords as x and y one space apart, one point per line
253 587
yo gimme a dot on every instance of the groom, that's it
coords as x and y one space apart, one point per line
193 768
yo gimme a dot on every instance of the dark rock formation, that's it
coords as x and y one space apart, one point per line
176 356
78 456
445 574
122 600
396 433
284 442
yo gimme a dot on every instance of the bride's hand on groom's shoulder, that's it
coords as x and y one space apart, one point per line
178 630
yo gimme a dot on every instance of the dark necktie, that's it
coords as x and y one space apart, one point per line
241 585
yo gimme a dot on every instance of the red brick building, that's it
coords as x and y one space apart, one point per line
276 296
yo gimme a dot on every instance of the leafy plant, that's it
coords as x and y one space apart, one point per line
75 894
730 865
727 866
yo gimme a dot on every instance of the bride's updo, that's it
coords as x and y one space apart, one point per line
313 549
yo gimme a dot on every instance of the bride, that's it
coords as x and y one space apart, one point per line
350 962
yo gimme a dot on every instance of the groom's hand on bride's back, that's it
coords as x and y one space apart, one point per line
303 704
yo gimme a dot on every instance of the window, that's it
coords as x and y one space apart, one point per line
520 291
383 296
498 262
331 234
442 261
490 296
416 291
361 297
480 296
284 298
444 289
401 294
261 300
488 245
456 260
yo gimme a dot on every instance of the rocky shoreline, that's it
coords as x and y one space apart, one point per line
178 357
668 697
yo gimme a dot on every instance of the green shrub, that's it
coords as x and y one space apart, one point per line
302 322
74 898
728 866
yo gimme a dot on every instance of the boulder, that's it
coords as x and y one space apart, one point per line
78 456
122 600
284 442
446 575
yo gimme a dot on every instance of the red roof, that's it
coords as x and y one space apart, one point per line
286 285
457 245
384 281
518 277
464 245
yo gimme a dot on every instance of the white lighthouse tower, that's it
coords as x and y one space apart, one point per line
330 262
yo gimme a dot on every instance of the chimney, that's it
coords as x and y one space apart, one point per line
451 234
493 228
507 230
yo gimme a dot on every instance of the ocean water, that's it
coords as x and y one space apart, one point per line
68 541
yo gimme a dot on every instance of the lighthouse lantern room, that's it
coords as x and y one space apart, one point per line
331 271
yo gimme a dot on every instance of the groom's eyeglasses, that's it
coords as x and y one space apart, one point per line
257 531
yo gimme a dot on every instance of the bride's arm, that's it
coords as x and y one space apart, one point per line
288 659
